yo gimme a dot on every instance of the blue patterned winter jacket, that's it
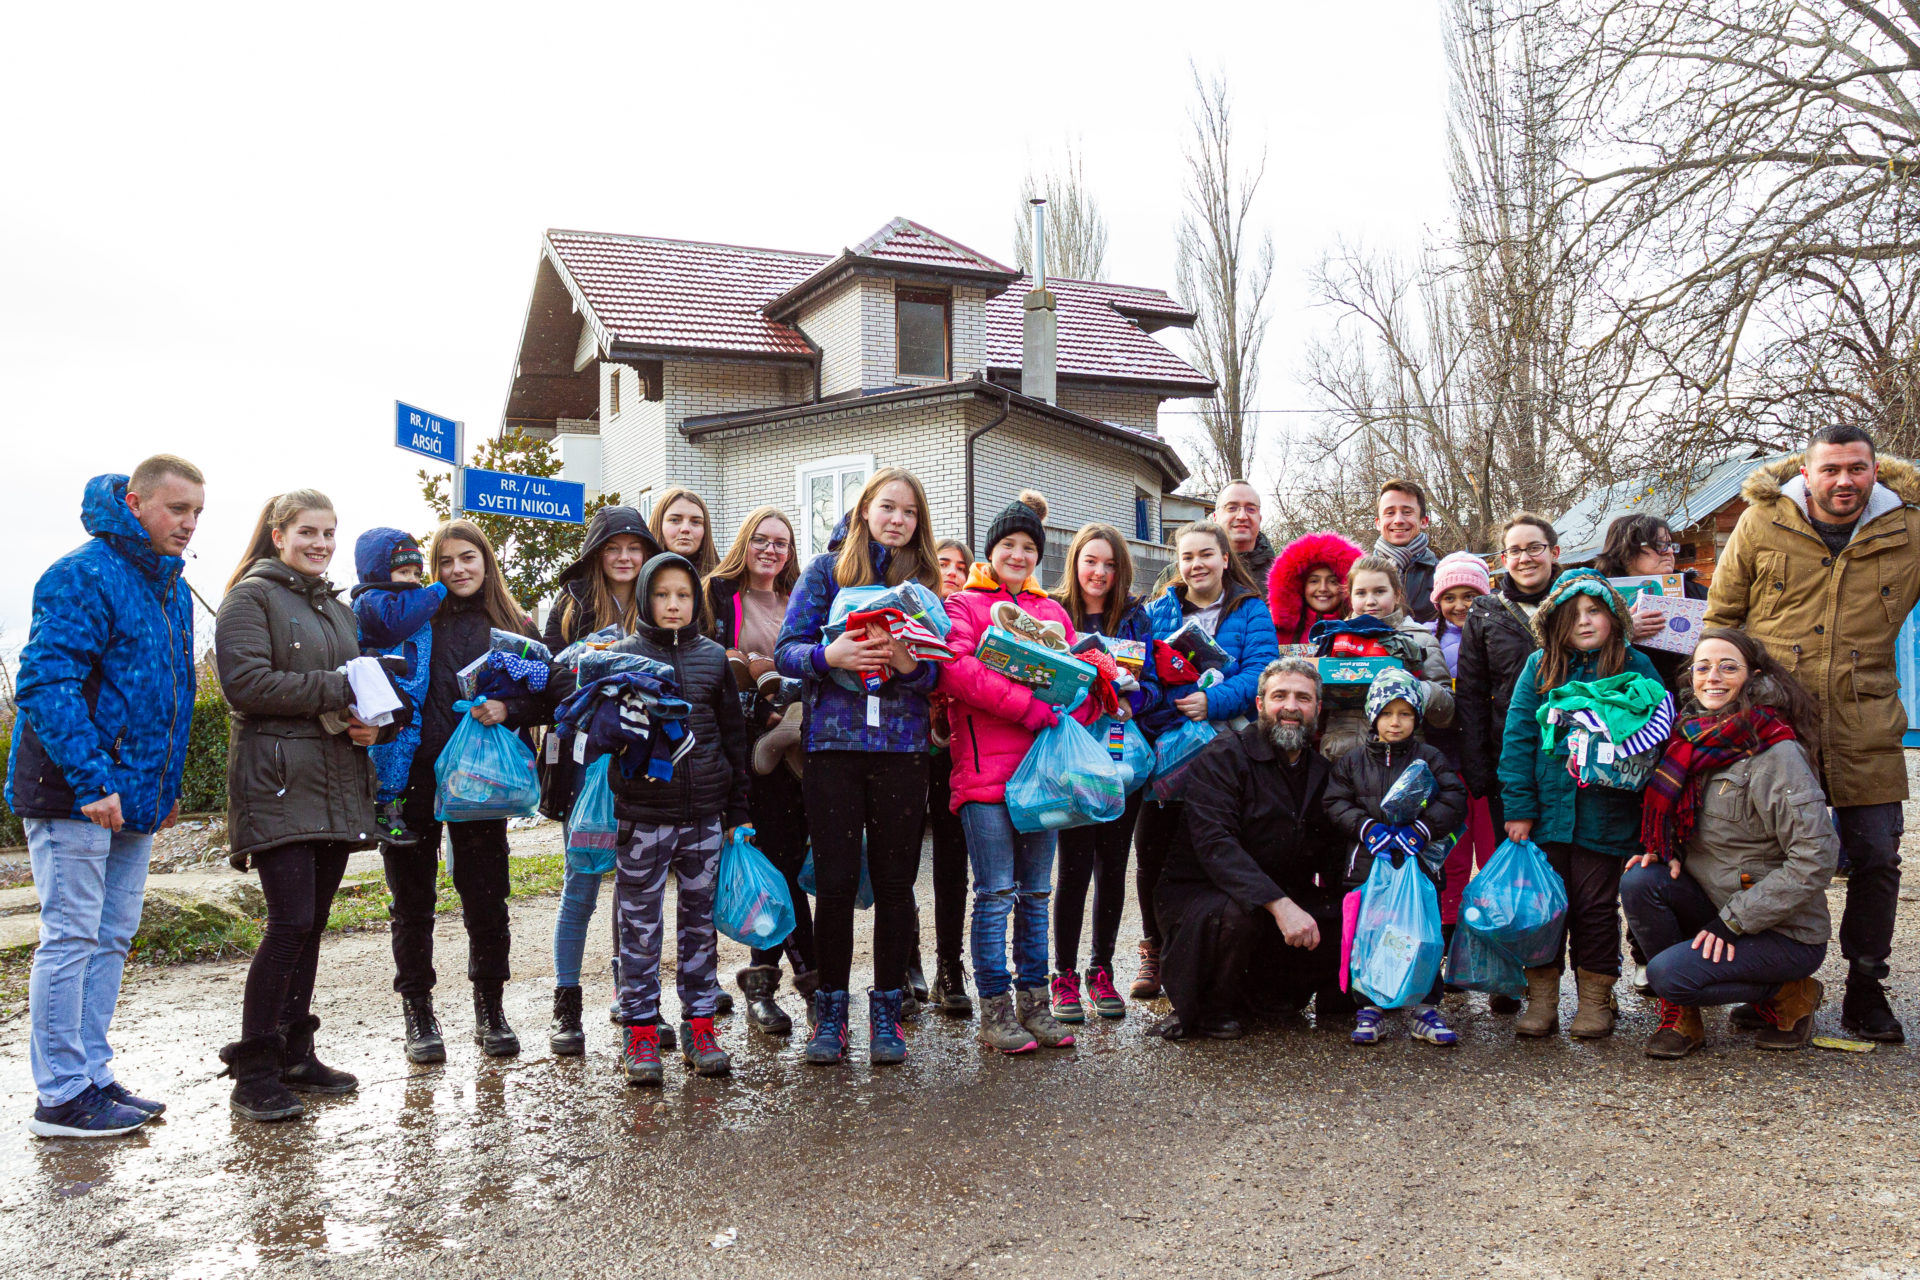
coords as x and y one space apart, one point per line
106 681
395 619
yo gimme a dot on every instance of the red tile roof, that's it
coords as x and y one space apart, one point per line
904 240
1096 339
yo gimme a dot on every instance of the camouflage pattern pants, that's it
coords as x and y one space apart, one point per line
692 854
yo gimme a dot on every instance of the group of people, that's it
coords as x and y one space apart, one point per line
835 749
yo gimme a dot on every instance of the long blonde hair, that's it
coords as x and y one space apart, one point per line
733 567
279 513
853 567
502 610
704 556
1074 600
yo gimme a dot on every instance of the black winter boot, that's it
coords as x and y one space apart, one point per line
565 1036
950 989
758 983
1865 1012
301 1069
490 1029
423 1030
254 1064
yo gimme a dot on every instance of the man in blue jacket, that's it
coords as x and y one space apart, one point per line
105 696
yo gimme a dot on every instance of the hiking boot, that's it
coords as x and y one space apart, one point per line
999 1029
700 1049
884 1044
829 1043
117 1092
1366 1026
757 983
88 1114
949 993
1066 998
1864 1011
1679 1033
640 1054
258 1094
1593 1018
1542 1014
300 1067
1789 1015
390 826
423 1030
565 1036
490 1030
1030 1006
1747 1017
1147 985
1429 1026
1100 989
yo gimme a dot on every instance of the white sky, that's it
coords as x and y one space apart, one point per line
238 236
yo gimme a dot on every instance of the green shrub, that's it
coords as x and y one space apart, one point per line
11 832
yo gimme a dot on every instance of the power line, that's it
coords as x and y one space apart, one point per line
1369 408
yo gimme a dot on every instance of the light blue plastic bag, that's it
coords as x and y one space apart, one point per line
1136 753
591 826
751 903
483 773
1518 903
1067 780
1478 965
863 898
1173 753
1397 944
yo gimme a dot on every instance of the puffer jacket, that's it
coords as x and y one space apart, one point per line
279 642
837 716
1151 710
1831 619
710 779
1360 781
1494 645
1765 819
105 684
993 718
1245 632
1347 728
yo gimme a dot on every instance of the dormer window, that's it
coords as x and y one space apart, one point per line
920 333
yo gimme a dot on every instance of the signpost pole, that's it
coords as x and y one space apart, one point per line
459 467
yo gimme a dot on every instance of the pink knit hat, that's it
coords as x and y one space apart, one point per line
1460 569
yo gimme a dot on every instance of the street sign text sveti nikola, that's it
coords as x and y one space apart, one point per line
502 493
427 434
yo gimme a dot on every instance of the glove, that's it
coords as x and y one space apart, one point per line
1396 844
1039 716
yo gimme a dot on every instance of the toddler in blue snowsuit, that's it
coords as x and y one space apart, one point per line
395 614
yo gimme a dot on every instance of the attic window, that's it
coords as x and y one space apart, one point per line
920 333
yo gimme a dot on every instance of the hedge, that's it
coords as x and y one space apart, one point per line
203 787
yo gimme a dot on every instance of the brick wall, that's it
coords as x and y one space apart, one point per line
1081 477
1139 411
834 325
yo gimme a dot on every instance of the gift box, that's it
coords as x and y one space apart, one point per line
1131 655
1345 680
1055 677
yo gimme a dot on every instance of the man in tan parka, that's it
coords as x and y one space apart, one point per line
1822 568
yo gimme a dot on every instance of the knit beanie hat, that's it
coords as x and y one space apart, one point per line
1391 684
1024 514
406 551
1461 569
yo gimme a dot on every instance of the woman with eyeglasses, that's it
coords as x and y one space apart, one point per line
1638 546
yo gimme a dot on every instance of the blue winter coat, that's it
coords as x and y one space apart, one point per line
836 716
1245 632
395 618
106 681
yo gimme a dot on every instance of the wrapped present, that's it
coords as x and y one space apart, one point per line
1193 642
1131 655
1055 676
1344 681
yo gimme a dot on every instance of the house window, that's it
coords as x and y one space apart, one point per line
920 333
828 490
1142 517
644 503
613 393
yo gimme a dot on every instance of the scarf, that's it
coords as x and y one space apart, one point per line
1518 596
982 578
1699 746
1402 556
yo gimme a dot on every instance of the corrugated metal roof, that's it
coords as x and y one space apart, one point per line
1682 504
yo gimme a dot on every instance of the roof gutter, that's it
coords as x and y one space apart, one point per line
1006 408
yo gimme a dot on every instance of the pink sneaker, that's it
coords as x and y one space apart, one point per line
1106 998
1066 998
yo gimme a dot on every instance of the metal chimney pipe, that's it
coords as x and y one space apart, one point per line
1039 243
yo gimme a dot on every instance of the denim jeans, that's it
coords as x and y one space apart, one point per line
579 895
92 883
1666 913
1012 873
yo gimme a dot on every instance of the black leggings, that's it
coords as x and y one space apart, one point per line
1096 855
949 862
881 795
479 877
1152 839
778 808
299 881
1593 905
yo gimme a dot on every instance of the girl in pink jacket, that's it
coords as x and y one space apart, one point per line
994 720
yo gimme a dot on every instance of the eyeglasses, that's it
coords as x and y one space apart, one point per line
1532 551
1726 667
1663 548
769 544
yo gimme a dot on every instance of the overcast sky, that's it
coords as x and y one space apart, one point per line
239 235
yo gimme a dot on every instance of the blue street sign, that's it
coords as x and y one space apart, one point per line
501 493
426 434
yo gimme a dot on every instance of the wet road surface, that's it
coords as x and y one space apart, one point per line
1288 1153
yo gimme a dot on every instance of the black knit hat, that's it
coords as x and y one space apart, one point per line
1024 514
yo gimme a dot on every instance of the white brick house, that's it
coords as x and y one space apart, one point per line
756 376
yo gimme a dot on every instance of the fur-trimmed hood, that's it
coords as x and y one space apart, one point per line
1287 580
1899 483
1579 582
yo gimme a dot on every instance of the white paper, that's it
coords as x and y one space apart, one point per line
873 712
579 748
374 700
553 748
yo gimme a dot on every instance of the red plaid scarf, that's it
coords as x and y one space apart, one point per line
1698 747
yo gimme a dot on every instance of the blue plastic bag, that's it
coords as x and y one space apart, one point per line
1397 944
751 903
1136 753
1173 753
484 772
1518 903
1478 965
863 898
591 826
1067 780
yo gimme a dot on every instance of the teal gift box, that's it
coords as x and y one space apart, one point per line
1055 677
1346 679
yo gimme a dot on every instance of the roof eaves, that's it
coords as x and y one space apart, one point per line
602 335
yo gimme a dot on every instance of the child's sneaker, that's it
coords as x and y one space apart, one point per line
701 1050
1366 1026
1428 1025
1106 997
1066 998
640 1054
393 830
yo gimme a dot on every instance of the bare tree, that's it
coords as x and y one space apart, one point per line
1076 230
1223 271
